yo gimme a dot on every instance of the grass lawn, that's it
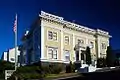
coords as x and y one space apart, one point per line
61 75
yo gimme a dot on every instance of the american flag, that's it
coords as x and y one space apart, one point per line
15 24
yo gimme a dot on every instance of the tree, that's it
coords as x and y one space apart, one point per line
4 65
88 56
101 62
109 56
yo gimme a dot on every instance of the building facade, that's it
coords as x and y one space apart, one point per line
10 55
4 56
53 39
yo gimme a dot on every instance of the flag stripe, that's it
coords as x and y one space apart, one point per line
15 24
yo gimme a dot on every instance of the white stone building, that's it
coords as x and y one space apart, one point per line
10 55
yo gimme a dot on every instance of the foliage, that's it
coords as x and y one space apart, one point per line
101 62
77 65
36 72
116 62
4 65
27 72
21 76
88 56
109 56
55 68
70 67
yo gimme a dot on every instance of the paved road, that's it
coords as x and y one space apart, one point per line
108 75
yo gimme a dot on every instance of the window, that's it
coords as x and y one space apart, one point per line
55 54
67 55
50 35
80 41
52 53
66 39
55 35
12 59
91 44
103 46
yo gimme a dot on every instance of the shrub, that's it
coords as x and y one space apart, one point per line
88 56
55 68
36 72
70 67
101 62
21 76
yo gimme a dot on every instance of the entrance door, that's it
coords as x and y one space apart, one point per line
77 55
83 56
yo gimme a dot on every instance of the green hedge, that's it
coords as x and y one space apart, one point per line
36 72
70 67
101 62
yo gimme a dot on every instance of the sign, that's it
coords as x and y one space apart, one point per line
8 73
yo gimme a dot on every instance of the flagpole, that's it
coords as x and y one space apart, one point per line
16 45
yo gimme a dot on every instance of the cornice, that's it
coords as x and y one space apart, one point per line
71 25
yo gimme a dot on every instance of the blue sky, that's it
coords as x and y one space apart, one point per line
103 14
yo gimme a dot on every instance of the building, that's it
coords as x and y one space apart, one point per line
53 39
10 55
4 56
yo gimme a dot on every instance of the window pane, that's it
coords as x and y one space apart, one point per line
54 35
50 35
50 52
67 39
81 41
50 56
55 56
67 56
91 44
103 46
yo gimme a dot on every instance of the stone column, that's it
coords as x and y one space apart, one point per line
74 54
62 52
79 54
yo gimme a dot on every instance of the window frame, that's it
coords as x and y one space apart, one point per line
92 44
54 52
67 55
55 36
48 34
103 46
68 41
52 33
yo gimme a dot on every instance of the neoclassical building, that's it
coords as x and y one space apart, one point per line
53 39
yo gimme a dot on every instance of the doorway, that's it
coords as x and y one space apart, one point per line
83 56
77 55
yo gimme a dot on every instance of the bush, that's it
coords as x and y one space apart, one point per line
70 67
36 72
21 76
55 68
4 65
101 62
